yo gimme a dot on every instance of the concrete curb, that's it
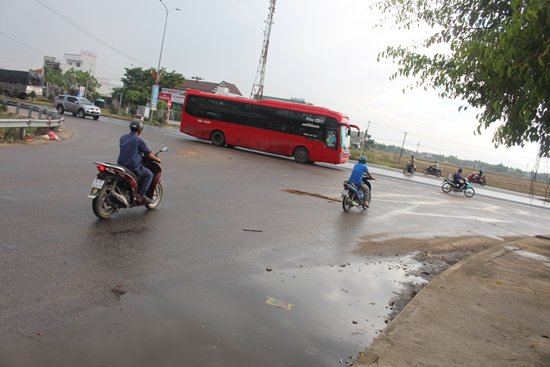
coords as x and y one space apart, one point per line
409 339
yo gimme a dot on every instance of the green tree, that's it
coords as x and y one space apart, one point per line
140 80
69 81
135 97
15 92
32 94
53 78
498 60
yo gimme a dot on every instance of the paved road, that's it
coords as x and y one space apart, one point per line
183 283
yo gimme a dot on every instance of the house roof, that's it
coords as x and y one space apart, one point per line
208 86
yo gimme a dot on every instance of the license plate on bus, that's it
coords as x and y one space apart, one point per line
98 184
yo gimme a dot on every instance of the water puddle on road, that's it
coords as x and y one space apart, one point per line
337 311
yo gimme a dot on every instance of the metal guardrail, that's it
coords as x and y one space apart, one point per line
42 110
25 123
31 123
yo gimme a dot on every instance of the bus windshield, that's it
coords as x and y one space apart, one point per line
344 138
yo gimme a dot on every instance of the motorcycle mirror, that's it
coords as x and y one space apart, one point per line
164 149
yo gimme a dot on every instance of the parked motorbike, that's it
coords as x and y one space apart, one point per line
449 185
475 178
432 171
409 168
354 196
116 187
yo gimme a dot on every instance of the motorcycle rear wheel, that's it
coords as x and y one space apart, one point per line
347 203
157 197
101 205
446 187
469 192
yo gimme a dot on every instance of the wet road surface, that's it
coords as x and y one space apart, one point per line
187 284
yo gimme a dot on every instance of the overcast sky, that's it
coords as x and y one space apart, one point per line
320 50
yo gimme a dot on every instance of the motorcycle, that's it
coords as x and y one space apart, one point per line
409 168
475 178
354 196
116 187
432 171
449 185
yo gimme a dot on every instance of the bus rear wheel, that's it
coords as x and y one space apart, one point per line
217 138
301 155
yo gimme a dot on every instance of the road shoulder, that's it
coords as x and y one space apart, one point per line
491 309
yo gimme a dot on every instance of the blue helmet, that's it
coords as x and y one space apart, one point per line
363 159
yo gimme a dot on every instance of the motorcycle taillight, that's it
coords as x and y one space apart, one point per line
100 168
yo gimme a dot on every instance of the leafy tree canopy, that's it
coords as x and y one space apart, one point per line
498 61
141 80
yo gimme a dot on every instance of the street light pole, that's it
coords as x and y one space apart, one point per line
157 77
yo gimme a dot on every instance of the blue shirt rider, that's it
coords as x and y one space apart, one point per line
132 148
356 177
457 177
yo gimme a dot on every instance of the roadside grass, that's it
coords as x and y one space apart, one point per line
497 180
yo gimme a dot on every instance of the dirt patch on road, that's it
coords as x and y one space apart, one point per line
305 193
431 256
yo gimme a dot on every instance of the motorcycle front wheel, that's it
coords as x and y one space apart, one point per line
426 172
446 187
347 203
483 183
157 197
469 192
102 205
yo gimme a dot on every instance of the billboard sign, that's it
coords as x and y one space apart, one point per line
155 97
172 91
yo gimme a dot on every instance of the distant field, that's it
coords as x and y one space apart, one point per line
497 180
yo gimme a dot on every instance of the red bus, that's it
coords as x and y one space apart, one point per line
307 133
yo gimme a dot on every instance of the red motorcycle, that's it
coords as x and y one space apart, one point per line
116 187
476 178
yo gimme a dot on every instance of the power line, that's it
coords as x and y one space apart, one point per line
68 20
13 39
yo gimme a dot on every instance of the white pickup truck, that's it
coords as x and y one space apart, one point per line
78 106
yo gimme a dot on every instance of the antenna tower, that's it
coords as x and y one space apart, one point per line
258 87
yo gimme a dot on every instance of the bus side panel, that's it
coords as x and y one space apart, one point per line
259 142
237 138
280 146
203 131
315 152
190 129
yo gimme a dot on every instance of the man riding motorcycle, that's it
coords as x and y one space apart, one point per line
435 165
356 178
132 147
457 177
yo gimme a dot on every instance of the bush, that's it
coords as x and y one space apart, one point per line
122 113
133 111
51 97
113 110
15 92
3 106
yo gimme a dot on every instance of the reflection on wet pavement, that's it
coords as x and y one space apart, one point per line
337 312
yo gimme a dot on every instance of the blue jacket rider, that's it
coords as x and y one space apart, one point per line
356 177
132 147
457 177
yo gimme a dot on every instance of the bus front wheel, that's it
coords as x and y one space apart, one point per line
301 155
217 138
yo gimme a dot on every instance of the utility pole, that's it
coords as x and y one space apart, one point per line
258 87
417 149
87 79
197 78
400 154
365 137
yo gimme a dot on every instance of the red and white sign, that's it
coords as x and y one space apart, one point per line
178 98
169 104
165 97
172 91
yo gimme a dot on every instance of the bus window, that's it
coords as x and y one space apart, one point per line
331 139
344 138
